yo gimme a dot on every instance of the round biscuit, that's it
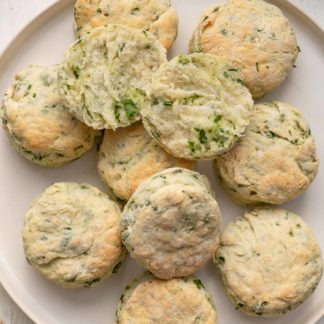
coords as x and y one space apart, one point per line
71 235
38 126
274 162
155 16
104 75
154 301
129 155
254 36
198 107
171 223
269 261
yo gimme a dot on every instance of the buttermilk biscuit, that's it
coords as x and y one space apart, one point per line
38 126
269 261
154 301
198 106
155 16
252 35
274 162
103 75
71 235
171 223
129 155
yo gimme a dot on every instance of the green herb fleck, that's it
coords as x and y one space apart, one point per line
45 81
190 99
298 225
168 103
298 49
116 267
257 66
183 59
221 259
239 305
134 10
99 10
202 135
216 9
282 118
291 233
198 283
130 108
34 95
29 87
192 146
217 118
76 71
224 32
88 284
117 108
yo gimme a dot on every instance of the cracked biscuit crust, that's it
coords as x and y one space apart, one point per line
252 35
154 301
155 16
269 261
71 235
171 223
129 155
104 75
274 162
38 125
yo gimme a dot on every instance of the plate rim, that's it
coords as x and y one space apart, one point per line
48 12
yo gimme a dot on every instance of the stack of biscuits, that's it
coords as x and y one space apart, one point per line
153 118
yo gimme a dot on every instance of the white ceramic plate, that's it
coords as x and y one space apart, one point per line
43 41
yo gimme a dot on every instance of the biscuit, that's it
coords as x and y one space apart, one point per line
71 235
274 162
269 261
154 301
171 223
104 75
38 126
198 106
252 35
155 16
129 155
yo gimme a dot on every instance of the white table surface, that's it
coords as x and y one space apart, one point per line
14 15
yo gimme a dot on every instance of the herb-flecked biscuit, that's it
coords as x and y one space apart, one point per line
38 126
150 300
129 155
274 162
155 16
269 261
104 75
198 107
71 235
252 35
171 223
